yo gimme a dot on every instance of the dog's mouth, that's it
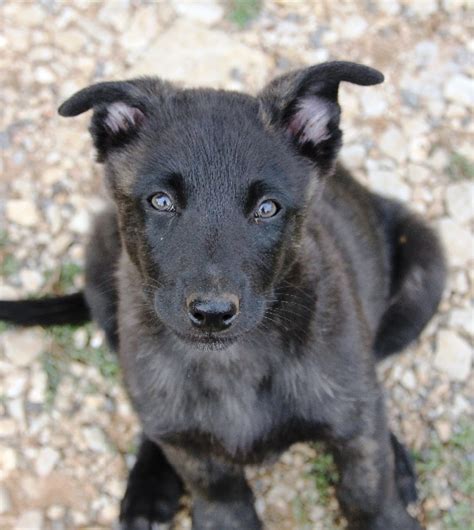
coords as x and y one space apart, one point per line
208 341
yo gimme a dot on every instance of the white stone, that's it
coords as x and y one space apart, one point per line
81 222
453 355
5 502
55 512
46 460
408 380
38 386
205 11
95 439
31 280
462 319
388 183
8 460
175 56
374 105
31 520
15 384
458 241
8 293
44 75
23 346
393 143
23 212
423 7
460 201
353 28
353 156
460 90
389 7
142 29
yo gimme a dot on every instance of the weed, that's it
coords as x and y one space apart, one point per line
460 168
241 12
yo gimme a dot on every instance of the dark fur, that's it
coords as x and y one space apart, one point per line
337 279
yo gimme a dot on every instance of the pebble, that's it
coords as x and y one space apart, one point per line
23 346
389 183
453 355
460 90
458 240
22 212
460 201
5 501
31 520
393 144
31 280
96 439
205 11
46 461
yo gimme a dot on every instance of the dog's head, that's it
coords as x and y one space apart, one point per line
212 187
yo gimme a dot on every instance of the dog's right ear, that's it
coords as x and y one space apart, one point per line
120 108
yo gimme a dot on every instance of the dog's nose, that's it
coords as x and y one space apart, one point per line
212 314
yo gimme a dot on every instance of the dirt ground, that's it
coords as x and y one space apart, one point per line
67 431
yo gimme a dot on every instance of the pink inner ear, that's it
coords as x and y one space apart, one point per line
310 121
122 117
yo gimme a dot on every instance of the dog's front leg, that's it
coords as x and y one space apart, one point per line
367 490
221 497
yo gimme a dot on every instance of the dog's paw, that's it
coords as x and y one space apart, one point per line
149 504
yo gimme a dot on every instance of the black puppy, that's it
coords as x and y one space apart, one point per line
249 285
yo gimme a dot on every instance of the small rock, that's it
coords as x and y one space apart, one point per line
8 461
453 355
353 28
443 428
80 223
353 156
423 8
22 212
460 201
56 512
5 501
393 144
458 240
408 380
31 280
31 520
205 11
141 29
38 385
46 460
44 75
462 319
15 384
373 105
460 90
22 347
388 183
95 439
8 428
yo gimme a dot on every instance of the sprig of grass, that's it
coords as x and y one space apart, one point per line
241 12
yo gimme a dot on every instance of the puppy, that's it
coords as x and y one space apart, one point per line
249 285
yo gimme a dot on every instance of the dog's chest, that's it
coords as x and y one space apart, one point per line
234 401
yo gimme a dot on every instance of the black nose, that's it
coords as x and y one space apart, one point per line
213 314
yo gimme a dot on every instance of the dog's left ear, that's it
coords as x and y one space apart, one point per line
304 104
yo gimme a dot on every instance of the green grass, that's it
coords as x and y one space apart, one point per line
455 460
67 276
63 351
242 12
460 168
324 474
8 265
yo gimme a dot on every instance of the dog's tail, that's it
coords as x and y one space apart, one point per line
418 279
68 309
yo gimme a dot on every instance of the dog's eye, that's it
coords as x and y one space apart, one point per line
266 209
162 202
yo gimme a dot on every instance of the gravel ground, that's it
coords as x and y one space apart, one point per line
67 432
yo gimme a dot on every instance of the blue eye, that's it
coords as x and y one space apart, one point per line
162 202
266 209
